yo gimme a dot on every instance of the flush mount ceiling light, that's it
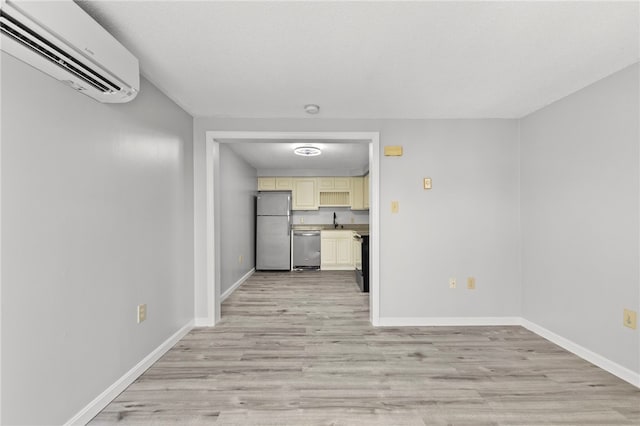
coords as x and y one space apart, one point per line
311 109
307 151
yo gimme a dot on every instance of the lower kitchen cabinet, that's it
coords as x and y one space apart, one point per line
336 250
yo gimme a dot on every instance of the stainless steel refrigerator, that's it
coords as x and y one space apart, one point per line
273 231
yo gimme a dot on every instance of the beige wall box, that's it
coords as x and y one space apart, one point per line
427 183
630 319
393 151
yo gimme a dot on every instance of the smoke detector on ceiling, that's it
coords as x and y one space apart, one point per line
311 109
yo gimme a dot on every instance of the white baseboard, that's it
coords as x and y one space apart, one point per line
94 407
237 284
584 353
446 321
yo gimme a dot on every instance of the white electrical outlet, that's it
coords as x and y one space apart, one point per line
452 283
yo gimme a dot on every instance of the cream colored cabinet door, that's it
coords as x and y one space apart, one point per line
338 183
284 183
336 250
365 188
328 253
344 251
357 193
266 184
325 183
305 194
342 183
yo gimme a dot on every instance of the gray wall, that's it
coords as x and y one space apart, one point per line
238 186
467 225
97 217
580 216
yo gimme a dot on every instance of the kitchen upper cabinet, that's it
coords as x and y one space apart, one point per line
266 184
357 193
366 190
342 183
336 250
275 183
334 191
334 183
305 194
284 183
325 183
310 193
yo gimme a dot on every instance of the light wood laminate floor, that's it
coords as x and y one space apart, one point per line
298 349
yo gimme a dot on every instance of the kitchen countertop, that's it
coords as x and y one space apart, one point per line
359 228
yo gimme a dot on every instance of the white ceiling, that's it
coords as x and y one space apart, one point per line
368 60
276 158
373 59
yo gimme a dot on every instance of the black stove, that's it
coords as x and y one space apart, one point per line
362 275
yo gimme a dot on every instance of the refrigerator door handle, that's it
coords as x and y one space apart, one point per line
289 216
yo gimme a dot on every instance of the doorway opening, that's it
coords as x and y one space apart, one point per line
213 225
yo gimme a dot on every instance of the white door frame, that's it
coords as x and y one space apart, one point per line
212 221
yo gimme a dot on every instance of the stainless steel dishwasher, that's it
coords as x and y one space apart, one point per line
306 249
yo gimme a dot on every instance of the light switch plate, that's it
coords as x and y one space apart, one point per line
142 312
471 283
427 183
630 319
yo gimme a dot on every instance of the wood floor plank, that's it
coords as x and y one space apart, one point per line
298 349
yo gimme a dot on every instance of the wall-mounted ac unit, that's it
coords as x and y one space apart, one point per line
62 40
